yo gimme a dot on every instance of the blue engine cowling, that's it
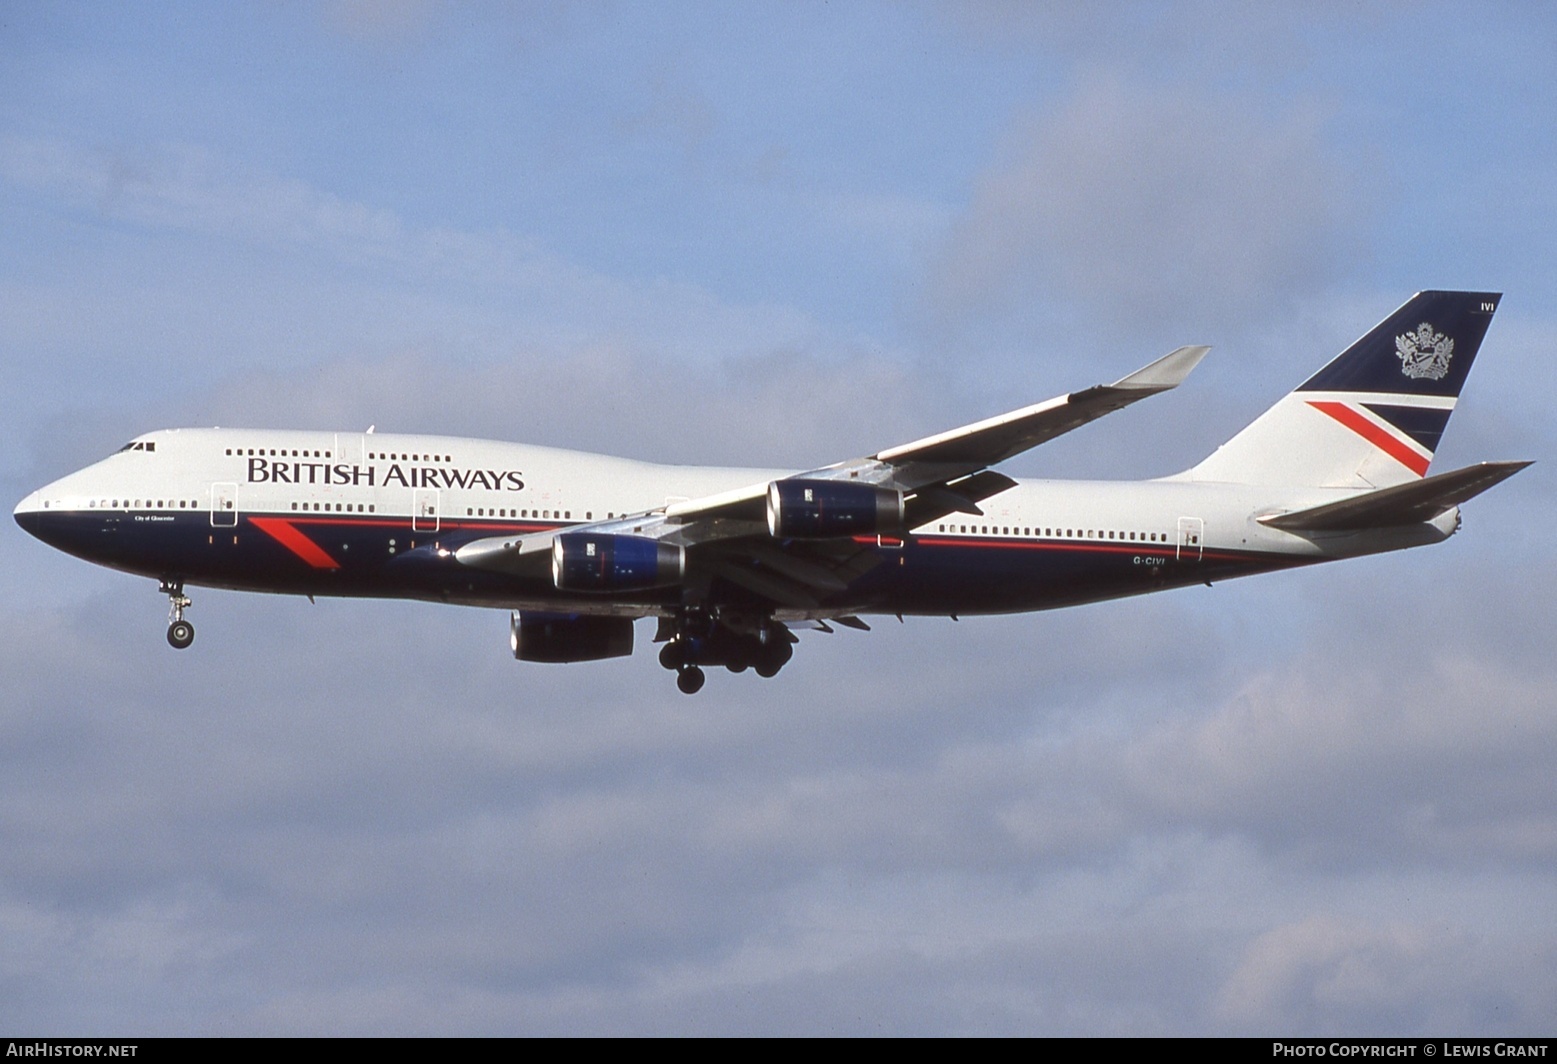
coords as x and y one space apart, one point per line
561 637
822 509
589 561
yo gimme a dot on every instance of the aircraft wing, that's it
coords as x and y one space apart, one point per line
950 466
935 476
989 442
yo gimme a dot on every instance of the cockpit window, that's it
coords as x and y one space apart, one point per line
138 445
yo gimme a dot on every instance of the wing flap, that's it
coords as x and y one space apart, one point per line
776 588
1403 504
933 502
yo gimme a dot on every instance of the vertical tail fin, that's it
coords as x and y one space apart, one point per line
1374 415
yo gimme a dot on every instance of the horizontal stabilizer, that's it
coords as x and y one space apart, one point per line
1403 504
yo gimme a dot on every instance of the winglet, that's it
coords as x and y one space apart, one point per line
1167 372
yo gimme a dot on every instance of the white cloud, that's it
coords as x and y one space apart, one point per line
383 277
1329 976
1151 205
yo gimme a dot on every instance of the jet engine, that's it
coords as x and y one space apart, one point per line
569 637
588 561
823 509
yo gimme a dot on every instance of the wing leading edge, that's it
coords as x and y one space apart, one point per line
992 441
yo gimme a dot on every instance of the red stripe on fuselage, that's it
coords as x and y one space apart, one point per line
1187 552
282 532
1375 435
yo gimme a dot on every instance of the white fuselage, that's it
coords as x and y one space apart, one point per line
395 492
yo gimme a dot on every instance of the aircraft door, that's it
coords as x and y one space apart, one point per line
224 505
349 447
1192 534
424 510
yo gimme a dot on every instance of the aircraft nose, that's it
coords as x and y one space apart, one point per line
27 514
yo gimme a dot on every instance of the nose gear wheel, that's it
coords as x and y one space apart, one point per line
180 632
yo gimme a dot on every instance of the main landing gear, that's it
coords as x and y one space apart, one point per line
180 632
698 640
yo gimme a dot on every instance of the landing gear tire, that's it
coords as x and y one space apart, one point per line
774 657
180 634
671 655
690 680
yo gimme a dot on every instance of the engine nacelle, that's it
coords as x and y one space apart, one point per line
823 509
569 637
590 561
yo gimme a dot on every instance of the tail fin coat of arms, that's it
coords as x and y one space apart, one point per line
1425 353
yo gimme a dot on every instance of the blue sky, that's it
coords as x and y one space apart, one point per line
1316 802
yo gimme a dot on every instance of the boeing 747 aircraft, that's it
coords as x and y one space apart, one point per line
732 561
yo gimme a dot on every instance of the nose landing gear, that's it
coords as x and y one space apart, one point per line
180 632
